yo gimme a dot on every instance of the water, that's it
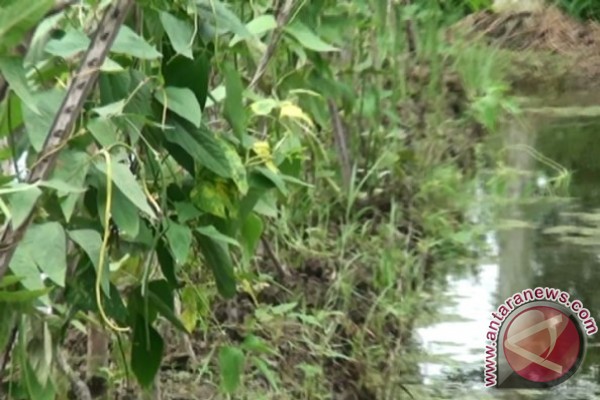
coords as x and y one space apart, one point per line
525 256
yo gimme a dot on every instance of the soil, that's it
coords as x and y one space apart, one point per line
547 34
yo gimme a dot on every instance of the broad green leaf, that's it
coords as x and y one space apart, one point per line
130 43
71 168
180 33
119 86
91 243
182 102
180 241
192 74
21 204
38 125
12 70
186 211
127 184
252 230
202 146
23 265
307 38
103 130
231 365
51 258
218 14
74 41
258 26
110 110
216 255
267 205
234 106
17 18
146 352
212 232
123 211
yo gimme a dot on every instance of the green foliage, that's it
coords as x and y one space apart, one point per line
583 9
202 167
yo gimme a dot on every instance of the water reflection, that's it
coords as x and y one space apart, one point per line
526 257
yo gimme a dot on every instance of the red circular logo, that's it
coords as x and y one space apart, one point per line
541 344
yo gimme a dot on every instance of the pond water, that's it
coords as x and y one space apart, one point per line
529 248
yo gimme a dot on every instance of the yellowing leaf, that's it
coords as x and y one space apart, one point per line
290 110
212 197
263 151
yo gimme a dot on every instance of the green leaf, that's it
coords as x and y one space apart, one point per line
180 33
258 26
275 178
180 241
130 43
217 14
38 125
186 211
146 352
307 38
110 110
192 74
9 280
182 102
166 262
103 130
202 146
212 232
91 242
161 296
218 259
17 18
22 296
74 41
21 204
231 364
123 211
61 186
71 168
252 230
23 265
12 70
51 258
125 181
234 106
